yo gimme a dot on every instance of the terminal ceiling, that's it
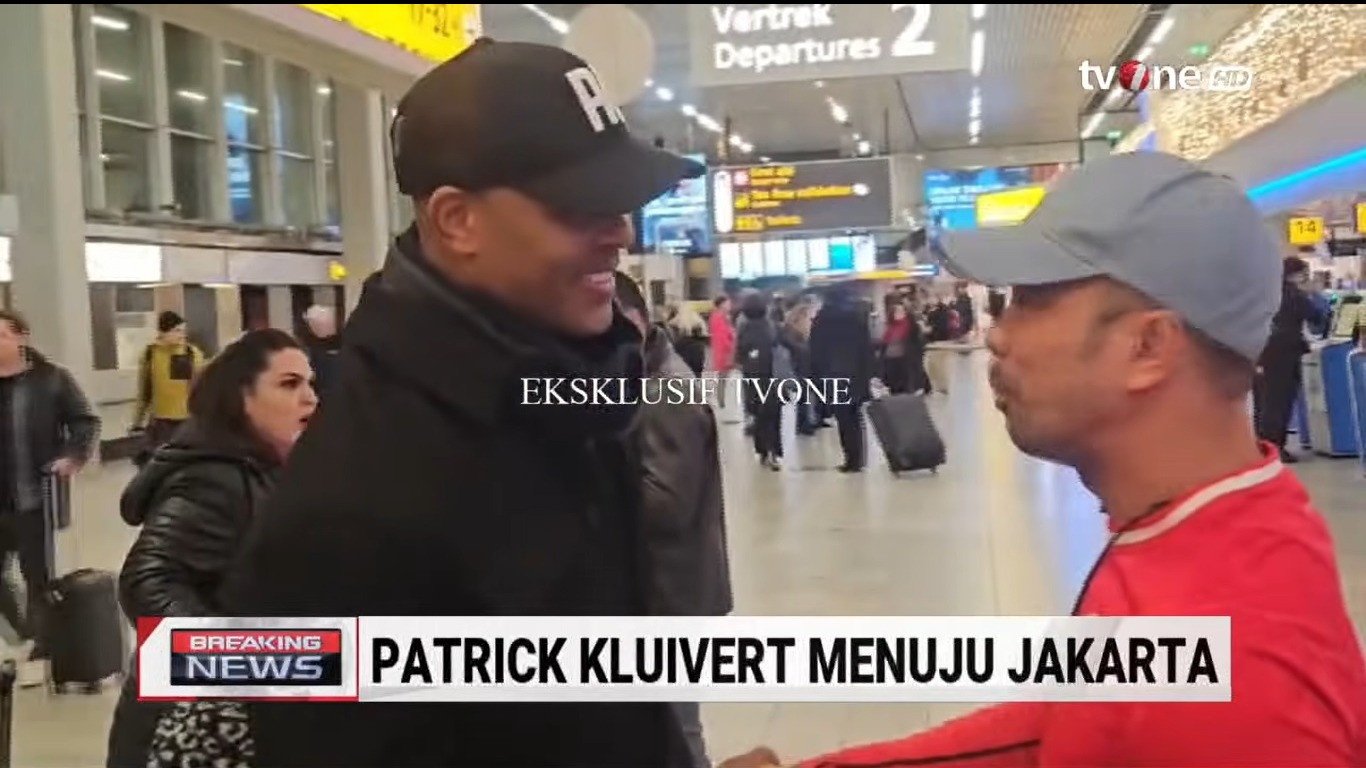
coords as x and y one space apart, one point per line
1030 86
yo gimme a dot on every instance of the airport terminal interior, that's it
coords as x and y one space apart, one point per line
231 164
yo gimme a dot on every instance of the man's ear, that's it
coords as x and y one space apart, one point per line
1157 349
451 218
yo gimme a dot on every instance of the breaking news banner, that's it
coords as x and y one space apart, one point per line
687 658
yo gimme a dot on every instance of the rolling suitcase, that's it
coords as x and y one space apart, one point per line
8 673
907 433
82 625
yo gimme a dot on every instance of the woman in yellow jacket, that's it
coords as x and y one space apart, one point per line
168 368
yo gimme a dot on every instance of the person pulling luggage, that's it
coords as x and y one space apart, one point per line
46 428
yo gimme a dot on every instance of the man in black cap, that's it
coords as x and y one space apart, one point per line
432 487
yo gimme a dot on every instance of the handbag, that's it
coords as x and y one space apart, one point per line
193 734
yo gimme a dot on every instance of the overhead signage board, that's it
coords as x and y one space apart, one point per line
676 221
755 43
434 32
1009 206
1305 230
952 194
819 195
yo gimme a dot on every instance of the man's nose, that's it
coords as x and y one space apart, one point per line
617 231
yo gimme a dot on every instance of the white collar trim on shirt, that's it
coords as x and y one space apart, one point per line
1202 498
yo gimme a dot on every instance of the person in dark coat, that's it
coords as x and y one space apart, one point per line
842 348
1279 376
196 496
442 478
684 519
323 345
757 345
47 429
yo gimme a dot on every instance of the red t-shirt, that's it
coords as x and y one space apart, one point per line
1249 546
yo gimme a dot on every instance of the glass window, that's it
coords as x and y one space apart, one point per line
127 159
246 175
191 159
188 80
122 324
329 135
242 95
297 187
294 109
120 45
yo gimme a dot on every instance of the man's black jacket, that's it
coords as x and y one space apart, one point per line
50 419
425 489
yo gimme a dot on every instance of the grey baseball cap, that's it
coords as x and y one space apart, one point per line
1186 238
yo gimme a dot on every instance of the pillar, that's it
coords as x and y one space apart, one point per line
39 129
364 184
280 306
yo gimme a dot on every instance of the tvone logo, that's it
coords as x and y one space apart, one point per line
1135 76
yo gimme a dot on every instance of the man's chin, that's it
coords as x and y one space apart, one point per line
587 324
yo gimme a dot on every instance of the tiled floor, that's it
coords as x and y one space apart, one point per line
993 532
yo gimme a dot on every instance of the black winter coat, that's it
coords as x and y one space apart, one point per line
424 488
842 347
50 419
194 500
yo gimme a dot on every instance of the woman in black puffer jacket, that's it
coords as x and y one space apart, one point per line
197 495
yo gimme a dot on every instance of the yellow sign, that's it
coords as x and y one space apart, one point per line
336 270
1306 230
1009 206
1361 218
434 32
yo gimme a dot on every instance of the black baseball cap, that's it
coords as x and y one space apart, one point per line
529 117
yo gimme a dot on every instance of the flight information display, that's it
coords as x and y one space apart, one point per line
824 194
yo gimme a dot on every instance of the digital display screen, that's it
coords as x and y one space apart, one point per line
796 257
818 254
951 195
841 254
731 266
775 258
753 258
828 194
676 221
865 253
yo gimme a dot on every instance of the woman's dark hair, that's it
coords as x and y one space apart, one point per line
755 306
217 399
16 321
1293 266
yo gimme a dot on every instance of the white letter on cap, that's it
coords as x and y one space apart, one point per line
595 106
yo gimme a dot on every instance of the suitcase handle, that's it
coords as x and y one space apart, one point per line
8 673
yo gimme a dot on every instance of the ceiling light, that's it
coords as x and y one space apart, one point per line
689 110
864 147
709 122
746 147
975 103
736 141
555 22
234 62
975 127
978 11
192 95
838 112
1092 125
820 83
664 94
765 159
858 137
972 140
649 82
324 90
919 157
243 108
106 22
979 44
1145 53
1160 34
109 74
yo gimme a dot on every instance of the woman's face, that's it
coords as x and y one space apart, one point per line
280 402
898 311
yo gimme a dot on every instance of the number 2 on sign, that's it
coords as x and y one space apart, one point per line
908 43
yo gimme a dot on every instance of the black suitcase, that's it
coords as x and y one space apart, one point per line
907 433
82 625
8 673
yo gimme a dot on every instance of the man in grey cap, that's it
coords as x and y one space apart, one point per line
1144 289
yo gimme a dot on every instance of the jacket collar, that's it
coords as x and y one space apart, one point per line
471 353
